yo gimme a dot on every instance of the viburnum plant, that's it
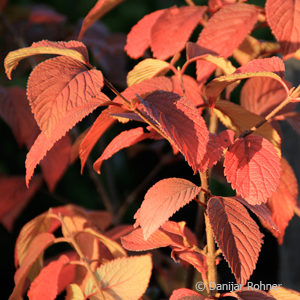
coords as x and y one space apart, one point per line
195 115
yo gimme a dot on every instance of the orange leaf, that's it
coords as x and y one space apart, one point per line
283 18
236 234
14 197
100 9
252 166
36 248
102 123
173 28
237 21
45 285
62 86
125 139
181 124
72 49
162 200
138 39
134 241
283 201
126 278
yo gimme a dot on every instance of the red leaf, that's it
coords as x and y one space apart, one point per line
283 18
184 294
14 197
237 21
125 139
271 64
213 153
260 94
252 166
236 234
162 200
100 9
173 28
138 39
284 199
62 86
36 248
45 285
56 162
102 123
263 213
181 123
196 259
192 89
226 138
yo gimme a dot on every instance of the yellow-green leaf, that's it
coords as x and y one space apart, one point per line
125 278
237 118
216 86
146 69
224 64
74 292
115 249
73 49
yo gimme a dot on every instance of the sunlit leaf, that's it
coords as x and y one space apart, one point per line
283 18
237 118
45 285
73 49
146 69
252 166
162 200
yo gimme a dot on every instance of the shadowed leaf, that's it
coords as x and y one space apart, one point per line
283 201
181 123
100 9
236 234
185 294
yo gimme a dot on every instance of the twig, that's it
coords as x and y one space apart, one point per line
133 195
99 186
190 2
82 257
